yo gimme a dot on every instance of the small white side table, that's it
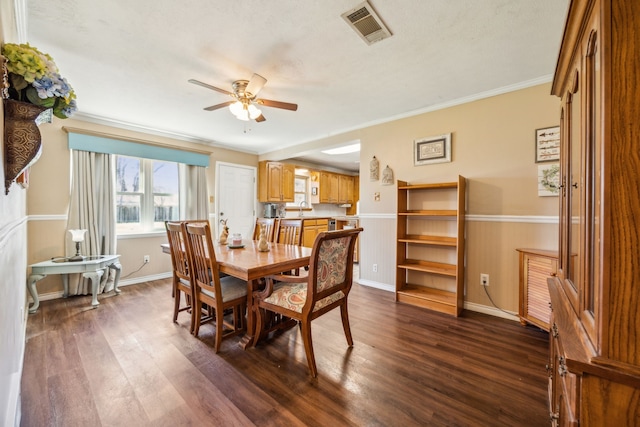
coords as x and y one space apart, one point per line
92 267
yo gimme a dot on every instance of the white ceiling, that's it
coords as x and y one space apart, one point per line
129 61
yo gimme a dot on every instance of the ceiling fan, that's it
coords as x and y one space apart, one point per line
245 99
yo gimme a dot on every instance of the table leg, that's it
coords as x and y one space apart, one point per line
34 292
248 338
94 276
117 267
65 284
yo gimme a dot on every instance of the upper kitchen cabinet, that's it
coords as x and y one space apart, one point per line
337 188
329 187
345 189
275 182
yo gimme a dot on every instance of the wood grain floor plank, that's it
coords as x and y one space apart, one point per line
408 367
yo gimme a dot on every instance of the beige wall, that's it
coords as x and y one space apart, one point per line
48 200
493 147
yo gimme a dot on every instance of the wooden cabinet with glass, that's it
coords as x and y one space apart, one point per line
594 368
430 245
275 182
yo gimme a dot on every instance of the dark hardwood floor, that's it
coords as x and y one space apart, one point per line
127 364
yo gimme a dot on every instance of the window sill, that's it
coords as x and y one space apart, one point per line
141 235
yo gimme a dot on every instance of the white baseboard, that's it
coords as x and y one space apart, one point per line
492 311
377 285
58 294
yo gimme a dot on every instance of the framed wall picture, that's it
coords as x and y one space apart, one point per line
435 149
549 180
548 144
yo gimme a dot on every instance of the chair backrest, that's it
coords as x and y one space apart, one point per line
289 232
331 266
269 225
179 260
202 259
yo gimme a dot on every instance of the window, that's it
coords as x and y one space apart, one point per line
147 194
300 191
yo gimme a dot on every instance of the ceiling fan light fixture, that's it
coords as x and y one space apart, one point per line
236 108
254 112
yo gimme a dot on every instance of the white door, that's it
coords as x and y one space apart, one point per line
236 198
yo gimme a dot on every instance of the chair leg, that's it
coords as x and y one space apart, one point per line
345 323
176 306
219 329
196 308
193 314
308 347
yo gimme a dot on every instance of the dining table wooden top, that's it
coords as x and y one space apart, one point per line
248 263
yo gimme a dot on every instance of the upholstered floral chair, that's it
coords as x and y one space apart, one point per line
306 298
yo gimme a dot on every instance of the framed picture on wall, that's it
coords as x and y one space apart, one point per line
549 180
435 149
548 144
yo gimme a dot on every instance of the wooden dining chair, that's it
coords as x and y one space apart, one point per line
181 280
289 231
306 298
269 224
218 293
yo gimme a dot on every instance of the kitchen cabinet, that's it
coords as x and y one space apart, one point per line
329 187
311 228
594 354
275 182
345 189
336 188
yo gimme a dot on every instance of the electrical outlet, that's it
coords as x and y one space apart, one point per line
375 268
484 279
146 259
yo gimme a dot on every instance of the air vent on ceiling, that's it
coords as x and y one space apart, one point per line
364 20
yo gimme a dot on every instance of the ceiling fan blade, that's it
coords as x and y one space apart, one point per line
277 104
218 106
260 118
256 83
208 86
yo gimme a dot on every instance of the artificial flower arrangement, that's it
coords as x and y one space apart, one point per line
34 78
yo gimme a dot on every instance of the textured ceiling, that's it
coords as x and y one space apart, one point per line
129 61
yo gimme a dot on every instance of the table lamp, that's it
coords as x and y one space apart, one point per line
77 236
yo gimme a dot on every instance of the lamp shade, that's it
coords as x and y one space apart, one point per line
77 235
236 108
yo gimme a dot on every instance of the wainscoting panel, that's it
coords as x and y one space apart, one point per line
491 243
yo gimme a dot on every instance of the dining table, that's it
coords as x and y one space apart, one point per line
248 263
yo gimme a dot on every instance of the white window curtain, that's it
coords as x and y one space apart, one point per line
92 207
194 197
